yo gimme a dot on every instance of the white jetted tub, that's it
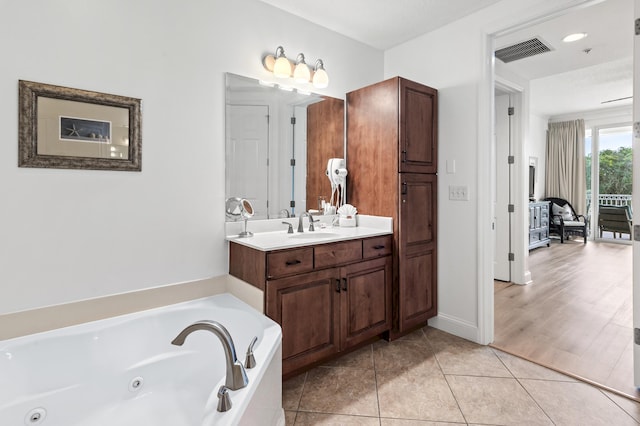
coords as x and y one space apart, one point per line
124 371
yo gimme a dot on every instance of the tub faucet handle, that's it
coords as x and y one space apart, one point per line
250 360
224 400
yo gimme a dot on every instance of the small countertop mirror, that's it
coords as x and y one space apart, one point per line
278 143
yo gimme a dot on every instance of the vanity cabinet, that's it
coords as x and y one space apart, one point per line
392 163
327 297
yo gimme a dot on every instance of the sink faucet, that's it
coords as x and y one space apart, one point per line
302 215
236 376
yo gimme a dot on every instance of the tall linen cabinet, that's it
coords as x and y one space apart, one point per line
392 136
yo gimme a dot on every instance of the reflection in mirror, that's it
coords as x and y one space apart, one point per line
278 143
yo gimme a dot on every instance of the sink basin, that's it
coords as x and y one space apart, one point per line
314 235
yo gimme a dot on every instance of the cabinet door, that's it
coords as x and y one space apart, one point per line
366 300
418 128
307 308
417 283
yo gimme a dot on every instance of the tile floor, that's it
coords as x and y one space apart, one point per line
433 378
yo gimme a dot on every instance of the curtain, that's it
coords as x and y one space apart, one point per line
565 176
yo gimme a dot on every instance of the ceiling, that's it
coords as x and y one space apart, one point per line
564 80
381 23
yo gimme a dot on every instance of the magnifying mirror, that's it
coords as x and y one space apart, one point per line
246 211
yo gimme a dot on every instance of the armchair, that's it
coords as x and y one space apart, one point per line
565 221
616 219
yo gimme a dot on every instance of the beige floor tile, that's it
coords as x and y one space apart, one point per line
496 400
289 418
403 422
305 418
338 390
292 392
523 369
405 355
414 335
630 406
416 395
576 404
361 358
462 357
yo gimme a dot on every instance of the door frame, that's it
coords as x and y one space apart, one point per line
485 236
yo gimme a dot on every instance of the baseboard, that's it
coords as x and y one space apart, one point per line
456 326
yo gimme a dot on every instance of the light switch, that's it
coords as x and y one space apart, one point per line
451 166
459 192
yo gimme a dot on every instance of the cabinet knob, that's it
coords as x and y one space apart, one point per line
337 285
344 284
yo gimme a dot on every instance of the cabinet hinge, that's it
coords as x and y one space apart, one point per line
636 336
511 208
636 129
292 162
636 232
511 110
293 120
637 26
512 257
511 159
292 203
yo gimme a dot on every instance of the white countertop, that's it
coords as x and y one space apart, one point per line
368 226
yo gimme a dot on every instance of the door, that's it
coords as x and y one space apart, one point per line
417 249
502 194
609 180
307 308
247 156
636 201
418 128
366 300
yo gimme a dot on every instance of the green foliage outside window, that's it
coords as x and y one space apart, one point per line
616 171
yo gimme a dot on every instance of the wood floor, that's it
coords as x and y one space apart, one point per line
576 316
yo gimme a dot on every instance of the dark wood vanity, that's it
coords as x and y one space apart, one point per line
328 297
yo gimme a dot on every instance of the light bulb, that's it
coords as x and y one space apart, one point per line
320 76
301 73
282 66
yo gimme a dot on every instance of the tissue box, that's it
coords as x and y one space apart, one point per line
347 221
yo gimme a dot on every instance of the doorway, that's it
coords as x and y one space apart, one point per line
522 189
609 166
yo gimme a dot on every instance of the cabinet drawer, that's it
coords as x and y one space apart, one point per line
337 253
374 247
287 262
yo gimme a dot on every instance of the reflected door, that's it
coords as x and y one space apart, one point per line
248 155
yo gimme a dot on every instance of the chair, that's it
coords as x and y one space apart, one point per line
564 220
614 219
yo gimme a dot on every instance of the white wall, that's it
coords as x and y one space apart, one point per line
67 235
455 60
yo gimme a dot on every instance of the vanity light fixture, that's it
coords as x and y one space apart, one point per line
574 37
301 73
320 76
282 67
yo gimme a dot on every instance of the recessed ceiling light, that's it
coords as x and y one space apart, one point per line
574 37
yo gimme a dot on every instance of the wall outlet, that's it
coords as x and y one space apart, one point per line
459 192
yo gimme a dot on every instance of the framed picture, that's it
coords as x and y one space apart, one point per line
67 128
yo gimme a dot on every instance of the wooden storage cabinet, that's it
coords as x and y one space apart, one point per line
539 225
392 146
326 297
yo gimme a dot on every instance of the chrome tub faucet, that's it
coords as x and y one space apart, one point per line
236 375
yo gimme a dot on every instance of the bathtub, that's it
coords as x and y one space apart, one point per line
124 370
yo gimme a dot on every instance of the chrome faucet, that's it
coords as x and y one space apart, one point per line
302 215
236 376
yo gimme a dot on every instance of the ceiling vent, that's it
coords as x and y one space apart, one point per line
521 50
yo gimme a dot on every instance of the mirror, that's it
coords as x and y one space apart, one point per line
278 143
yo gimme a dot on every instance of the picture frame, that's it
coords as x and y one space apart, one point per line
67 128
